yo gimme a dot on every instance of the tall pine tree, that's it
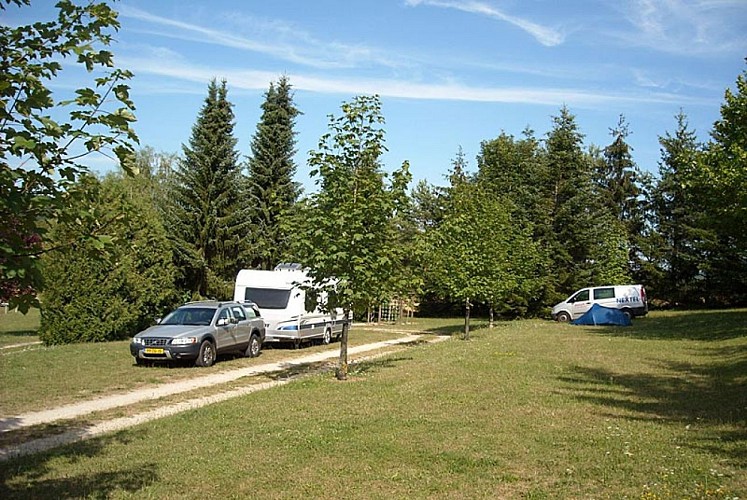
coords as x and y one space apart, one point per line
567 186
586 242
678 237
616 178
271 169
208 217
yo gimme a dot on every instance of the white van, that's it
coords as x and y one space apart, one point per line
630 299
282 302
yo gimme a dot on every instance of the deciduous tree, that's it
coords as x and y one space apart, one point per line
45 138
346 230
720 182
95 295
480 254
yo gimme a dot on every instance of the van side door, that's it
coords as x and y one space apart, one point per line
580 303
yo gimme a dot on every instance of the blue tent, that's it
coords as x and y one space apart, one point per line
599 315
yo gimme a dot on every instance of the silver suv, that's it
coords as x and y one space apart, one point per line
200 331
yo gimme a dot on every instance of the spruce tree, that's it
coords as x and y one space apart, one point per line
271 169
567 195
208 217
617 181
616 177
678 234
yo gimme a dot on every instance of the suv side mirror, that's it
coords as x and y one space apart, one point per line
222 322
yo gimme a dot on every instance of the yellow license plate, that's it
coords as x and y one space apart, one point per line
153 350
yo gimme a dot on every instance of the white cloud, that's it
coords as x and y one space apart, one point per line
687 27
546 36
445 91
287 43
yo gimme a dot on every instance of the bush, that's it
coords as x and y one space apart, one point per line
95 292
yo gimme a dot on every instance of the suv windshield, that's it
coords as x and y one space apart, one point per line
190 316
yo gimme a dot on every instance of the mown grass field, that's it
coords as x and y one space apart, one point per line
530 409
17 328
35 377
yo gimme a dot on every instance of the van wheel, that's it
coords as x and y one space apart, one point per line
327 338
207 354
628 314
252 350
563 317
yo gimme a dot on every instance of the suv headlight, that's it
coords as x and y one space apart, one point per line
184 341
137 340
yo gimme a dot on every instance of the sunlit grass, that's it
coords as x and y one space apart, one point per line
17 328
39 377
530 409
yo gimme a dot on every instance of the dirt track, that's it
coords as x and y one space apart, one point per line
121 400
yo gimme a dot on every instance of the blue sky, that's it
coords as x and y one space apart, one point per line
450 73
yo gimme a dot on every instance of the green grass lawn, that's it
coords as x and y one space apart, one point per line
530 409
17 328
38 377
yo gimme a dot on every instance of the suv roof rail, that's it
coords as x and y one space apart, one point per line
219 302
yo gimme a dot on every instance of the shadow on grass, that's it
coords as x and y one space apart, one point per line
375 365
711 396
294 370
456 329
19 335
689 325
25 477
358 367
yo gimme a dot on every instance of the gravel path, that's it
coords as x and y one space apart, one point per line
25 344
120 400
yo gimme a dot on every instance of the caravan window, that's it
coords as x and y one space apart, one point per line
268 298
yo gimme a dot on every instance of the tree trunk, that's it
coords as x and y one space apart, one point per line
342 369
378 318
492 324
466 319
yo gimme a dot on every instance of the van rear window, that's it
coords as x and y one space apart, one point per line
604 293
268 298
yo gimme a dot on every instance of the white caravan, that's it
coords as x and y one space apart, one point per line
630 299
283 304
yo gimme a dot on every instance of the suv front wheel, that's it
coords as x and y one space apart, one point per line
207 354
